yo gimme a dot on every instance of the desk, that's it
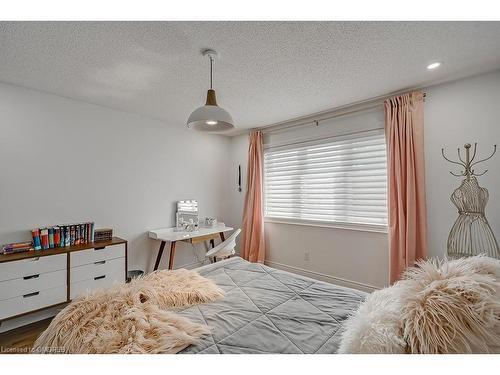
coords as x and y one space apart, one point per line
170 235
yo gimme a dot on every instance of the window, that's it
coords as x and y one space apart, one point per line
337 181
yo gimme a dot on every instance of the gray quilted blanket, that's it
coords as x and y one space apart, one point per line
270 311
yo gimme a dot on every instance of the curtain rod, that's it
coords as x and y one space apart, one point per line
343 134
329 114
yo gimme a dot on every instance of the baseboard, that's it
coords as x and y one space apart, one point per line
323 277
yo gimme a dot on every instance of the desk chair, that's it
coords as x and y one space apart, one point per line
224 249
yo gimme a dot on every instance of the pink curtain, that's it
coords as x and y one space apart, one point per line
404 129
253 245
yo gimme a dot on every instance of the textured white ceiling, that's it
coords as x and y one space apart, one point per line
268 71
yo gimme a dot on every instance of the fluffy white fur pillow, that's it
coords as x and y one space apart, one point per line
439 307
452 307
376 326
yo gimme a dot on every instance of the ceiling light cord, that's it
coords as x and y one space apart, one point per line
211 71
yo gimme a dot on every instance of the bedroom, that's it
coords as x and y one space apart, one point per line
137 146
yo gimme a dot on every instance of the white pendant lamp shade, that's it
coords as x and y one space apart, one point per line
210 118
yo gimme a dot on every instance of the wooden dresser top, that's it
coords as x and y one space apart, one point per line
59 250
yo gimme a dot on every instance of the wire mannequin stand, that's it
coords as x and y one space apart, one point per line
471 233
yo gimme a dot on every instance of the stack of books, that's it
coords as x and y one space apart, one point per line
63 235
18 247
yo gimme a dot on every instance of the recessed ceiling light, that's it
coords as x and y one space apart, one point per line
433 66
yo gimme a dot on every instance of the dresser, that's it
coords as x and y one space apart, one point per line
37 280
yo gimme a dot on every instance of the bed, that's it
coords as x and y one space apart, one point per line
266 310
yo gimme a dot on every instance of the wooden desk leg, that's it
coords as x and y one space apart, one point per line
212 243
158 257
172 254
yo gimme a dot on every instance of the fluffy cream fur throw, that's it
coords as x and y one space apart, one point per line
438 307
131 318
376 327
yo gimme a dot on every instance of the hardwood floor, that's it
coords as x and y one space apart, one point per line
21 340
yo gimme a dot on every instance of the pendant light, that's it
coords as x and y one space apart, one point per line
210 117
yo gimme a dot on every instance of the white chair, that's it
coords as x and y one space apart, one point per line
224 249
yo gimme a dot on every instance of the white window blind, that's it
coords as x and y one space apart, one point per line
339 180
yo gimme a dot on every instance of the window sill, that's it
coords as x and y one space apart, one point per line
322 224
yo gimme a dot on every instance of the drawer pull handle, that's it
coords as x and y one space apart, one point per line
31 294
99 248
99 277
101 262
31 277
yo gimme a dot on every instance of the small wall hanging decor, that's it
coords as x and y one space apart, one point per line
239 178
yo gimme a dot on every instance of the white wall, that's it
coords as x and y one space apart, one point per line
352 258
64 161
464 111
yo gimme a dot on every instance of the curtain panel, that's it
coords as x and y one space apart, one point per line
404 129
253 244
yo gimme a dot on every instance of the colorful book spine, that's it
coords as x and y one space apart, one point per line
67 237
82 234
84 225
57 236
61 236
44 235
77 234
72 234
14 251
19 247
51 237
35 234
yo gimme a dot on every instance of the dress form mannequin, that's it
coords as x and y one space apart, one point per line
471 233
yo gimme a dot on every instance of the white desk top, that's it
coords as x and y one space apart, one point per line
168 234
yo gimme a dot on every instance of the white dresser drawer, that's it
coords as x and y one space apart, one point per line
33 301
33 283
32 266
97 282
103 267
79 258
